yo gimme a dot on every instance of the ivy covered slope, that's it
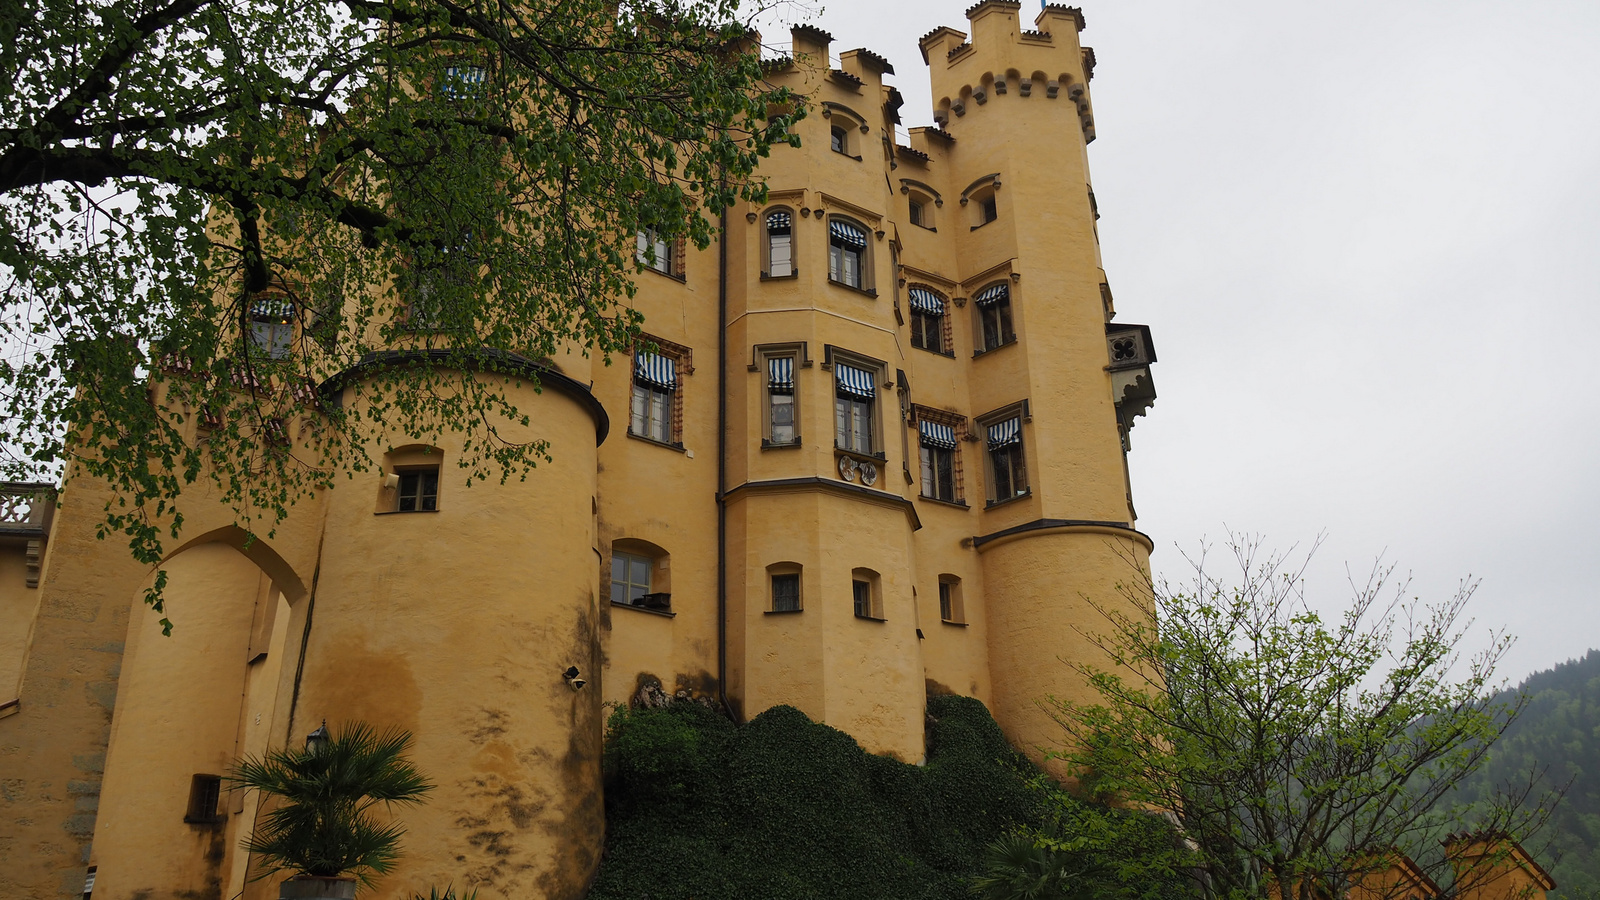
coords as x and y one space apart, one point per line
785 808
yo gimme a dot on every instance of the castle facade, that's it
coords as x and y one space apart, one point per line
872 445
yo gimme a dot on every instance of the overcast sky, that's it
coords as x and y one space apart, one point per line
1367 238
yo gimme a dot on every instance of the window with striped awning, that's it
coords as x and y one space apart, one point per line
926 301
937 434
277 310
854 382
993 295
655 370
780 375
1006 433
778 222
847 234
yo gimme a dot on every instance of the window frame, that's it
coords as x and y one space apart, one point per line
926 455
768 245
628 559
1003 313
838 253
655 398
668 253
785 571
952 602
920 325
867 604
872 416
421 474
1015 455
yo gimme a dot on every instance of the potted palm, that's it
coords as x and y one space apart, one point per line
322 826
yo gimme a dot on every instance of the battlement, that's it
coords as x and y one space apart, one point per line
1001 58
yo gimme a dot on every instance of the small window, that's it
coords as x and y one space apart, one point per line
418 491
939 448
272 327
847 253
866 594
653 407
994 316
987 210
1008 473
950 606
919 210
854 394
462 82
915 213
655 252
781 421
927 319
786 592
780 244
840 140
205 793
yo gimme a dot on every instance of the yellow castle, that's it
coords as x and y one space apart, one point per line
872 446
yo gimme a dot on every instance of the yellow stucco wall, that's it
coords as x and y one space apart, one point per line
456 624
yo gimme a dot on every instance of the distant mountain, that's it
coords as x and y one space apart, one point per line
1559 729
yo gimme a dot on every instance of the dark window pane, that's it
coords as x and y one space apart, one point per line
863 597
785 593
946 608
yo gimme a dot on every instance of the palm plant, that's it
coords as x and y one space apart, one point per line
1016 867
323 825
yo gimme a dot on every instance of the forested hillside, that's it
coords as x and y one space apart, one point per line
1560 729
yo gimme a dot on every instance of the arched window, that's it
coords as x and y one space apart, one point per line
847 253
866 594
785 582
994 316
780 243
927 319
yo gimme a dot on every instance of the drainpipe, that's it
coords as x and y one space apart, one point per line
722 463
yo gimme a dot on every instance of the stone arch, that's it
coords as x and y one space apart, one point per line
258 550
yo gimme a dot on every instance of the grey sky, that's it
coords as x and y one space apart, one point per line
1367 238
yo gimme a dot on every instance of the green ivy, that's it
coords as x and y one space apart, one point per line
782 807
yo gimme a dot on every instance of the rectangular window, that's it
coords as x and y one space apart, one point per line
272 326
780 244
862 595
205 792
630 578
780 400
847 253
938 443
655 381
853 413
839 140
947 610
916 213
994 315
786 592
1009 474
990 211
419 490
655 252
927 331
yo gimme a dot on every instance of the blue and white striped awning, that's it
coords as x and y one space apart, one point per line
937 434
926 301
854 382
847 234
1004 434
780 374
655 370
275 310
993 295
778 221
